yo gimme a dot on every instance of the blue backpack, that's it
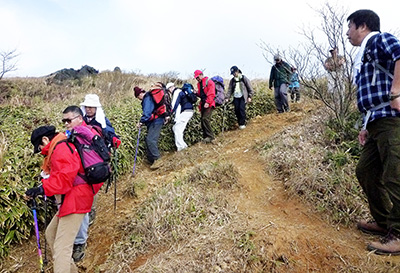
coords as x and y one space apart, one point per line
188 89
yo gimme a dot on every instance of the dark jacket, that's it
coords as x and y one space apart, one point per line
148 106
280 73
108 132
183 101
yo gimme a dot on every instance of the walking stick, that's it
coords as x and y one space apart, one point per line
115 167
33 208
114 174
45 261
137 147
223 118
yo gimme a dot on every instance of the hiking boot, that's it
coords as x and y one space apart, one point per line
208 140
92 216
156 164
371 227
388 245
78 252
241 127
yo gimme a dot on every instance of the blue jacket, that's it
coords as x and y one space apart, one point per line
183 101
294 80
148 108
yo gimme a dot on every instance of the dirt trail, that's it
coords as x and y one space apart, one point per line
286 229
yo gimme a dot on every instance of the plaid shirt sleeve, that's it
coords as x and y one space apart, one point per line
374 84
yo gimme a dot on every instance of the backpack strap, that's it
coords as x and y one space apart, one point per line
65 141
368 58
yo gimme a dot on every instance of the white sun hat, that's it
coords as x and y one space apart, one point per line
91 100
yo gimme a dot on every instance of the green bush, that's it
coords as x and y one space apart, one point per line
27 104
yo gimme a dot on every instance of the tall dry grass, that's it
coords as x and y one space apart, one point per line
187 226
315 169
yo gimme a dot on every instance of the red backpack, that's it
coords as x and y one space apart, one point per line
159 103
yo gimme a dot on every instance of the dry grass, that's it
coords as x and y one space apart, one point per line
186 226
302 158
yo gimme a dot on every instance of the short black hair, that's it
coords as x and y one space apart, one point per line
73 109
367 17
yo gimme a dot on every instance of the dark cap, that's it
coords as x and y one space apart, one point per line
234 69
37 134
138 90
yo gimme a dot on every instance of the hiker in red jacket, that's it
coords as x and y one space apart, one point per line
206 92
63 164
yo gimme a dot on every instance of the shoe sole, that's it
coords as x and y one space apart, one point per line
382 252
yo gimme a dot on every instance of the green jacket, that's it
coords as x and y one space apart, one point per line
280 73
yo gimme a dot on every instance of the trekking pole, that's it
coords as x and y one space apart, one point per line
115 166
33 208
223 118
45 261
137 147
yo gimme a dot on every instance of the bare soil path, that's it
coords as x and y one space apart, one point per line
287 230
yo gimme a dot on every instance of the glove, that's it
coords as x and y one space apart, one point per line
33 192
116 142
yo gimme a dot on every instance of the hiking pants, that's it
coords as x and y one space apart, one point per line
206 114
281 101
153 134
378 171
294 94
240 110
181 121
60 235
82 235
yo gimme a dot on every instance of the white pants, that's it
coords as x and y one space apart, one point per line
181 121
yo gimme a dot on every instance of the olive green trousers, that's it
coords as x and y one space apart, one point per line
378 172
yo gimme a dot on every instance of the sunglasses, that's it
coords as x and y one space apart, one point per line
68 120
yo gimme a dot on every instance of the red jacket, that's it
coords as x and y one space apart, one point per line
209 90
64 168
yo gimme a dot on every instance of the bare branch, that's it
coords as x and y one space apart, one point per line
309 59
8 63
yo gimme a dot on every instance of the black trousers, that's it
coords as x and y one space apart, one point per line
240 110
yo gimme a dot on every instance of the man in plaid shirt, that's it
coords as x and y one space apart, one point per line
377 75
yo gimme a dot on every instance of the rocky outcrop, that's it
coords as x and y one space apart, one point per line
68 74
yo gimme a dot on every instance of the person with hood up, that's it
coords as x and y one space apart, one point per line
206 93
240 88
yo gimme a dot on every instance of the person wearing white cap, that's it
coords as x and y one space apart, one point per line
93 114
183 109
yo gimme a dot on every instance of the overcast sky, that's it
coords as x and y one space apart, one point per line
158 36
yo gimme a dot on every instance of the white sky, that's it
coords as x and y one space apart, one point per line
158 36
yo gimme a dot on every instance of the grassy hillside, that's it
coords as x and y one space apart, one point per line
28 103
